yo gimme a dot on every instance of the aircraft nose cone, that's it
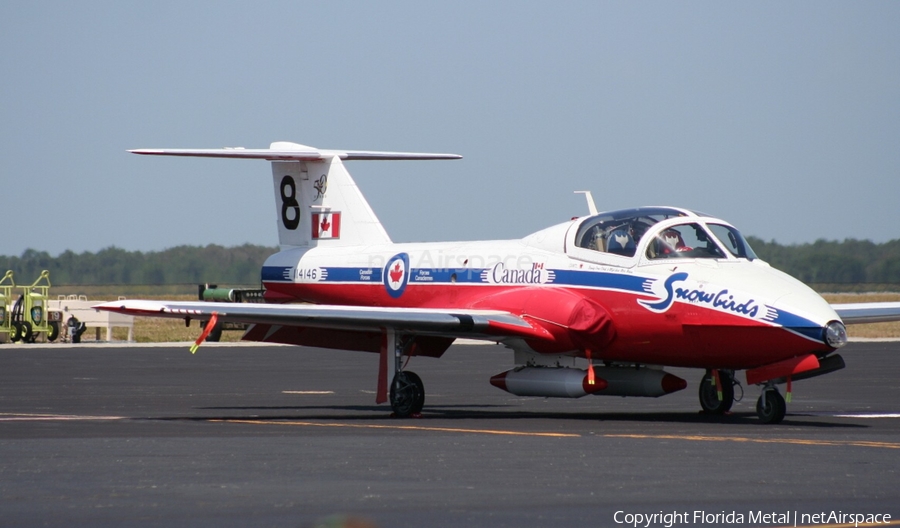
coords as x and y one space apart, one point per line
805 313
835 334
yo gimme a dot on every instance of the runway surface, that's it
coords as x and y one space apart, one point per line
283 436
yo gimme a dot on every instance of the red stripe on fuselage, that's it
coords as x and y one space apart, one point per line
686 335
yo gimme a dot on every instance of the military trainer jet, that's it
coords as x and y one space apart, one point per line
597 305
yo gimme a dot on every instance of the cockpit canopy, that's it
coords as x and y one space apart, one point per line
698 236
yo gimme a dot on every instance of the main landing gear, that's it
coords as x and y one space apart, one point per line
407 394
717 391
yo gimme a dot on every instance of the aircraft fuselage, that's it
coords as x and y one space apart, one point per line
727 313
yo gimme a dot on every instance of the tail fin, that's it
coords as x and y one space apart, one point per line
317 202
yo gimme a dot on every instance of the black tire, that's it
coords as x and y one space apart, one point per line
80 328
15 333
420 401
26 334
709 397
407 394
54 331
215 335
771 407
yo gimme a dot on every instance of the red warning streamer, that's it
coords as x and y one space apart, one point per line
591 378
209 326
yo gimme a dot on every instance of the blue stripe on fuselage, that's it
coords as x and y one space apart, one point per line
353 275
798 324
445 276
277 273
590 279
599 279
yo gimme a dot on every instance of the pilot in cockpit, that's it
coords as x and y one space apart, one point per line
672 242
616 239
619 240
596 239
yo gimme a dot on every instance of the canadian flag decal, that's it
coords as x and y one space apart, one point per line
326 225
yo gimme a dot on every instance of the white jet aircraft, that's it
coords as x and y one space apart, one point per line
596 305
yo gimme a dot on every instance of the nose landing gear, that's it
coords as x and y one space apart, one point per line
771 406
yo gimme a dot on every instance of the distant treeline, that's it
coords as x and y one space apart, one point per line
179 265
851 262
832 262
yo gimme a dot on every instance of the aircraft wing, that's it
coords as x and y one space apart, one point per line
877 312
483 324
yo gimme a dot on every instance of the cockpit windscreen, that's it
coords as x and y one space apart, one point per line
618 232
733 241
684 241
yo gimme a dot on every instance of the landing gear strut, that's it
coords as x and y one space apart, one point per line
771 407
709 392
407 394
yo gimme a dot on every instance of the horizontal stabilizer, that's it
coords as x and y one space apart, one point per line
286 151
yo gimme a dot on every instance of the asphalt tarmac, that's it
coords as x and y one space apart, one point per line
284 436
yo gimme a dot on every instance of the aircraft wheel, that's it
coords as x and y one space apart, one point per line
771 407
407 394
420 400
54 331
26 334
709 397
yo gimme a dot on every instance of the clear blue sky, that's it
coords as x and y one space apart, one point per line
783 118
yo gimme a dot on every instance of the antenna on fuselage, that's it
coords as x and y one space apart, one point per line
590 201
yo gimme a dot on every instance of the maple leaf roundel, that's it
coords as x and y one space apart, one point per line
396 274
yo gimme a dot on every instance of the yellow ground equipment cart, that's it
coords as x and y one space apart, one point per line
6 287
30 316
